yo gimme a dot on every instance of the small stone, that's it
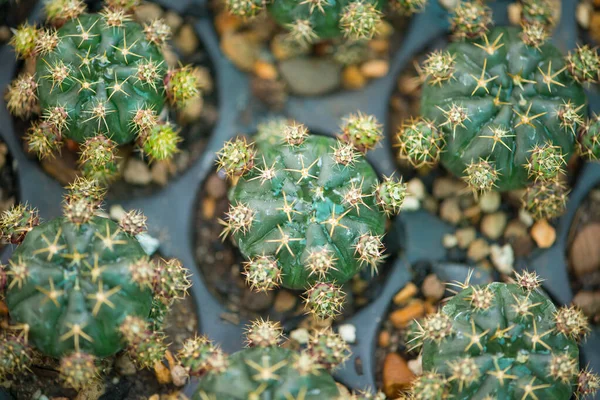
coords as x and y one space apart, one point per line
265 70
227 23
589 302
445 187
489 202
583 13
416 187
173 20
523 246
449 4
257 301
284 301
411 203
209 206
384 339
271 92
514 13
416 365
240 50
492 225
137 172
503 258
148 12
93 391
402 317
585 251
515 229
380 46
449 240
179 375
348 333
116 212
465 236
124 365
311 76
396 375
373 69
525 217
450 211
186 40
300 335
4 33
433 288
543 234
406 293
595 27
352 78
473 213
191 112
160 172
478 250
430 204
171 57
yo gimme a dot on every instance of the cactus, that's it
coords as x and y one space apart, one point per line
501 107
265 370
501 341
589 139
101 80
308 212
75 282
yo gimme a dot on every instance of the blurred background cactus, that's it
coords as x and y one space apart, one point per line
503 341
100 81
308 211
502 107
265 369
81 288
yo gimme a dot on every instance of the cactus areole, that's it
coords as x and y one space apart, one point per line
101 75
266 373
503 341
71 283
498 100
302 215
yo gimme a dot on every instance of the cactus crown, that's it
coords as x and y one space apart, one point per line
80 286
101 80
307 210
264 369
503 124
501 340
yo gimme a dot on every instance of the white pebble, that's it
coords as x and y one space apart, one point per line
411 203
300 335
449 240
148 243
416 366
525 217
503 258
117 212
489 201
348 333
416 187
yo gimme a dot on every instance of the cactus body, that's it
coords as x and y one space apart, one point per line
75 279
266 373
102 89
502 100
502 341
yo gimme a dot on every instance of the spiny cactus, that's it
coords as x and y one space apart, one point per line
101 80
471 20
502 341
264 369
308 211
80 287
546 199
507 112
589 139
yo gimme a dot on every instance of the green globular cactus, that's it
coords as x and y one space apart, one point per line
75 281
308 211
499 101
504 341
265 370
589 139
102 81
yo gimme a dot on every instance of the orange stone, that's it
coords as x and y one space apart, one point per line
404 316
397 377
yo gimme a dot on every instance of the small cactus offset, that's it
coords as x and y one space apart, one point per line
102 81
265 370
308 211
501 111
502 341
76 283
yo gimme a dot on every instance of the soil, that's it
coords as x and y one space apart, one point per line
196 122
116 383
221 262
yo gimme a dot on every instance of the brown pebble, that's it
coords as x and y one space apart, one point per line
430 308
450 211
240 49
478 250
162 373
585 251
433 288
384 339
352 78
226 22
589 302
216 187
396 375
543 233
284 301
379 45
406 293
595 27
492 225
265 70
515 229
404 316
465 236
375 68
179 375
208 208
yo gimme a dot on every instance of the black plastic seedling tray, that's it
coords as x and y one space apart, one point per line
416 236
